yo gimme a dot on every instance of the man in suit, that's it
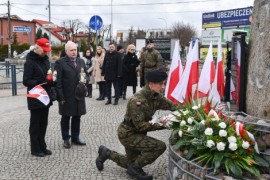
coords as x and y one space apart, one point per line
112 71
70 106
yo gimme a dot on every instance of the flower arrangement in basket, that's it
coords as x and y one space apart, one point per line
207 137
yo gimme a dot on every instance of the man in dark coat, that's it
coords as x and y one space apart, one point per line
35 70
112 71
68 77
141 149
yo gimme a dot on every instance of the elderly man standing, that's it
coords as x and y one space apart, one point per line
151 59
70 106
140 148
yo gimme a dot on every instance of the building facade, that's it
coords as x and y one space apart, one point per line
21 31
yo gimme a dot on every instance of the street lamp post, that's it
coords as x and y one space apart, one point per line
165 24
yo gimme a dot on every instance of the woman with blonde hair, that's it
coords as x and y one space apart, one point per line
97 68
130 63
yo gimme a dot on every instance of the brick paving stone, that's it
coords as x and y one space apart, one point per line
98 126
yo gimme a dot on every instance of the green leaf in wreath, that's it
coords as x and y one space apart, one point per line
260 161
217 159
236 170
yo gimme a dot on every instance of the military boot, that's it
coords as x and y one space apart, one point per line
103 155
138 172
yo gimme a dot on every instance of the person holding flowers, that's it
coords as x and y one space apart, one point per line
141 149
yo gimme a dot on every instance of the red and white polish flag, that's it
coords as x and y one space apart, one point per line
175 73
38 92
218 86
183 90
207 76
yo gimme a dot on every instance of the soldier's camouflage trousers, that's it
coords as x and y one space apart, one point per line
140 149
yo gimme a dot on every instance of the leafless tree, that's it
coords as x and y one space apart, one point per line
74 25
183 32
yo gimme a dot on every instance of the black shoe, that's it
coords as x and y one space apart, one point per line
108 102
47 152
115 102
100 98
66 144
38 154
113 96
138 173
103 155
90 96
78 142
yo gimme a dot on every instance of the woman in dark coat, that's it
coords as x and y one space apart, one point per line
130 63
35 72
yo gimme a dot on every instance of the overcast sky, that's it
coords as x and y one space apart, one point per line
141 14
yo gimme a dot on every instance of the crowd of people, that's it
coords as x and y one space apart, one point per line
74 81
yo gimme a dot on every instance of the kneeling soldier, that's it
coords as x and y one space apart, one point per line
140 149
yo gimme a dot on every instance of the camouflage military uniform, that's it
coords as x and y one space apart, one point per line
132 133
151 60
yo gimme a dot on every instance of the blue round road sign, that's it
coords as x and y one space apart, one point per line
95 22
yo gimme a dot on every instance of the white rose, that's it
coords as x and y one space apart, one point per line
202 122
232 139
214 119
210 143
245 144
189 129
222 125
233 146
180 133
185 112
183 122
190 120
208 131
195 107
222 133
220 146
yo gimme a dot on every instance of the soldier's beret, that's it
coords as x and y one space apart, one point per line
149 41
80 91
156 76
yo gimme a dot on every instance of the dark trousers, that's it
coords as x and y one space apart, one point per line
109 88
125 89
102 89
37 129
121 86
89 89
75 127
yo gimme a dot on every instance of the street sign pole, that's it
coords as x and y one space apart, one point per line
95 23
96 31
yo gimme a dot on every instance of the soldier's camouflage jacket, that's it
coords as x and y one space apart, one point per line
140 109
151 60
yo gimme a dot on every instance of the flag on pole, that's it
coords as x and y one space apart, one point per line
217 90
233 93
183 89
220 71
207 75
38 92
238 65
175 73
